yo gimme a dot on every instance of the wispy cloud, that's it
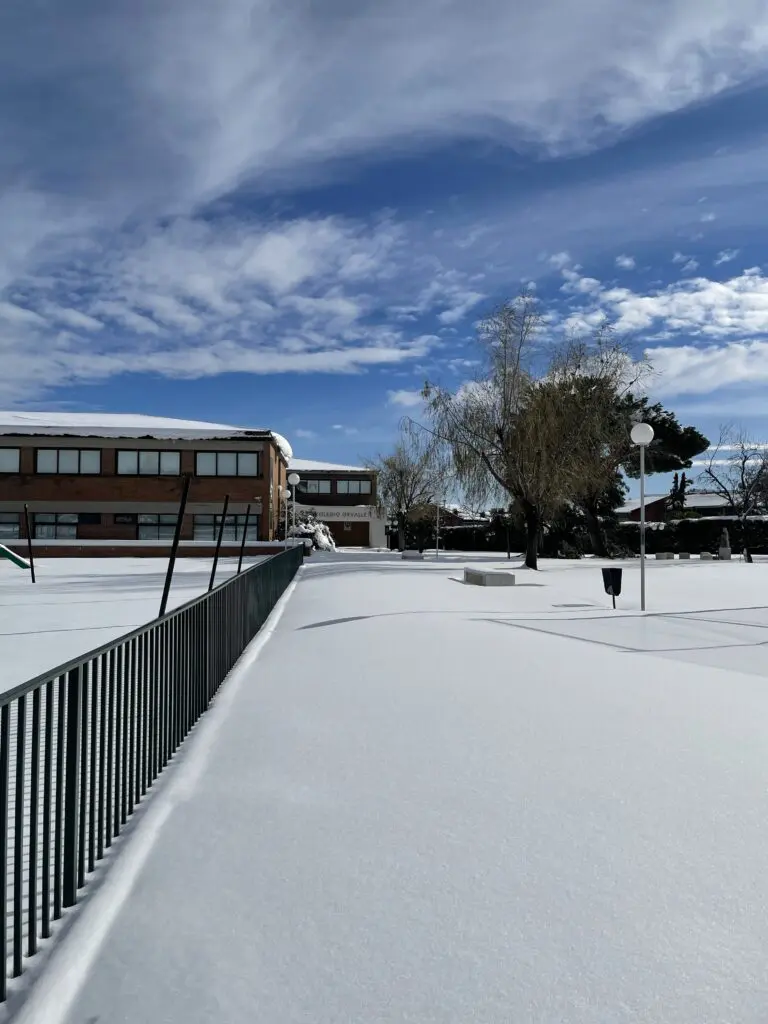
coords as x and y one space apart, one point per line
304 435
407 399
625 262
726 256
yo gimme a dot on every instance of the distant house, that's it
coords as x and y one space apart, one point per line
705 503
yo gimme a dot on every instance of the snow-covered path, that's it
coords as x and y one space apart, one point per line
434 803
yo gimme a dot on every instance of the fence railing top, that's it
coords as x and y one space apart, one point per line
21 689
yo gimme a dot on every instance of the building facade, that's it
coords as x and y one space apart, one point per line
345 498
106 484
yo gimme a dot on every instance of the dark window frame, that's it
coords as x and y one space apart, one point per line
138 452
359 482
236 476
254 526
58 472
303 486
169 526
12 472
8 520
56 522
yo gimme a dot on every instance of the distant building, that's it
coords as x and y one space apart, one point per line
345 498
705 503
111 484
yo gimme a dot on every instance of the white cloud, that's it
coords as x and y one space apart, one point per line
690 266
305 435
707 218
726 256
680 257
407 399
559 260
625 262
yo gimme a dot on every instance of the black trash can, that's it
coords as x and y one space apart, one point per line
612 581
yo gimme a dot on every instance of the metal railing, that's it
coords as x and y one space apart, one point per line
81 745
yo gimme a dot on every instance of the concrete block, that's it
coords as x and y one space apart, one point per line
664 556
488 578
724 554
684 555
706 556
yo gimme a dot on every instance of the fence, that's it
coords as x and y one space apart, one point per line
81 745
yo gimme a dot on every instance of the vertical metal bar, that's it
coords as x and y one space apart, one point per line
103 718
156 663
83 781
47 789
117 715
58 832
18 837
175 545
5 757
218 542
110 748
132 724
146 663
95 690
72 783
30 555
126 717
245 534
166 655
34 801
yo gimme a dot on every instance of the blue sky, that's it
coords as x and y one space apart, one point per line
290 215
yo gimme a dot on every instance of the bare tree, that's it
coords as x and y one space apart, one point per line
532 436
412 477
740 477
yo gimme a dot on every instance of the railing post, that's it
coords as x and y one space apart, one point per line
72 784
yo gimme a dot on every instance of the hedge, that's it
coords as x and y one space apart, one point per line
694 535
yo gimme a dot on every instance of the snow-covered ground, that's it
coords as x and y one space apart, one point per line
437 803
78 604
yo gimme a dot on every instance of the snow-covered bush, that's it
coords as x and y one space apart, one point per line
309 526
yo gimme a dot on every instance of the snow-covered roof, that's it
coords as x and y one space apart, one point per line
700 499
308 466
89 424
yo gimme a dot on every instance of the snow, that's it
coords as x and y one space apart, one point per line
307 466
436 803
86 424
78 604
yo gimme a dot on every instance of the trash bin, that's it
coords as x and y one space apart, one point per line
612 581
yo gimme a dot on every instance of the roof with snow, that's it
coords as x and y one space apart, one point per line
308 466
88 424
693 499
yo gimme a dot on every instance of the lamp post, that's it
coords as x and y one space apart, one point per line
293 480
642 435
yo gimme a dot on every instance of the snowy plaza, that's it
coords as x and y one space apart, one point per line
424 801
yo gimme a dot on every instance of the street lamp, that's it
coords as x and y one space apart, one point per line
293 480
642 435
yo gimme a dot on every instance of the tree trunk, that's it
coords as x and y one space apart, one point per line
596 532
401 532
532 534
745 540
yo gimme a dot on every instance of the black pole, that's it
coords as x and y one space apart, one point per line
29 541
175 545
218 542
245 532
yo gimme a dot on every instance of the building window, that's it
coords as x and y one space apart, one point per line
315 486
229 463
9 460
130 463
156 527
51 526
69 460
353 486
9 526
207 528
89 519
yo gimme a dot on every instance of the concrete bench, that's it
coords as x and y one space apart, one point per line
684 555
664 556
706 556
415 555
488 578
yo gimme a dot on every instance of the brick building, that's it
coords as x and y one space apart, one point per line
345 498
111 484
